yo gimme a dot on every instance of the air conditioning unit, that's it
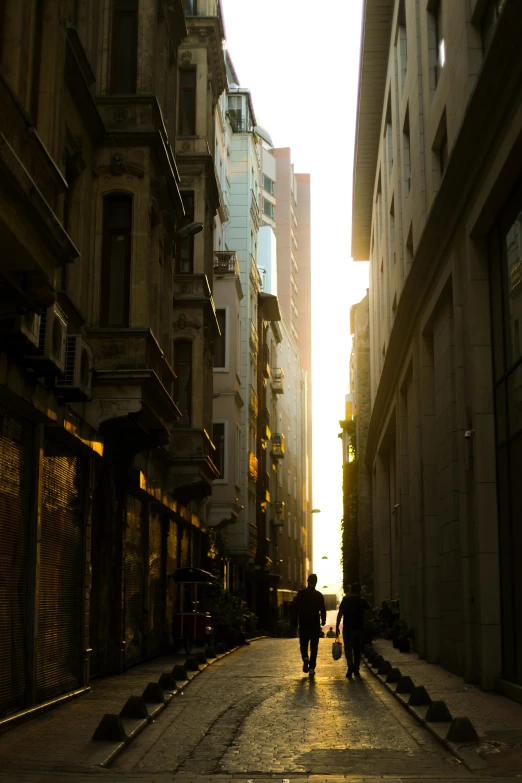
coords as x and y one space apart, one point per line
77 375
22 329
50 352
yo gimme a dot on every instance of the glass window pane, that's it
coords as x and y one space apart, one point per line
220 342
118 250
218 439
513 249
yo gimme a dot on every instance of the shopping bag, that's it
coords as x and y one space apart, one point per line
337 650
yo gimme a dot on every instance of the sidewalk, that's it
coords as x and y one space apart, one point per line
60 739
497 719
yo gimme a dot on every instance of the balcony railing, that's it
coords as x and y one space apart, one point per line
239 122
254 209
279 512
254 273
254 404
226 263
254 340
253 466
278 445
278 380
264 425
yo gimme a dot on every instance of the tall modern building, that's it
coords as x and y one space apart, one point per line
437 210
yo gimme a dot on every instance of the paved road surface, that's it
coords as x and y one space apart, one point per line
254 716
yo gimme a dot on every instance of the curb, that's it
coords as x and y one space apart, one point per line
103 756
462 752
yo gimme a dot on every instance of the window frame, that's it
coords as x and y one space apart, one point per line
119 8
176 366
225 366
185 220
107 233
224 478
182 91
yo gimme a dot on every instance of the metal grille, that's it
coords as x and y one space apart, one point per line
70 360
58 666
156 586
134 598
14 535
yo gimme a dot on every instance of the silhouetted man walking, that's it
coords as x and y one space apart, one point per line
309 614
352 608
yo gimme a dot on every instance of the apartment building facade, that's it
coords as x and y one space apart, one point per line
98 500
436 205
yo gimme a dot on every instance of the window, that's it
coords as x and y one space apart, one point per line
124 48
183 382
187 102
268 208
268 185
116 256
191 7
236 114
218 439
406 153
185 247
220 343
436 43
402 43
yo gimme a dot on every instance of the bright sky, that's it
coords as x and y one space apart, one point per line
301 63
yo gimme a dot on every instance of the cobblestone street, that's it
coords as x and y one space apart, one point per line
255 715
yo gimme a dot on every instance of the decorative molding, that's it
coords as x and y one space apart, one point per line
183 322
186 57
117 167
120 114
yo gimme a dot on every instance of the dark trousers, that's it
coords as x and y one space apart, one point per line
309 637
353 639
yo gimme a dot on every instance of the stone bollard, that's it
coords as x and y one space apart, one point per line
419 697
110 729
179 673
377 661
394 675
221 648
405 685
462 730
210 652
384 668
167 682
191 664
438 713
153 694
134 707
200 657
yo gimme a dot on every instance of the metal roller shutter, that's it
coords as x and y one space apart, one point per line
134 583
156 585
58 667
14 541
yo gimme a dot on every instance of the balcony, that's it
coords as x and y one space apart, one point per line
133 381
226 263
278 381
254 404
264 425
192 468
263 487
266 361
252 540
254 340
254 274
34 243
279 512
253 466
278 445
254 209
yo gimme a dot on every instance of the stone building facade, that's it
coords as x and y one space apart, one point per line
99 500
436 211
357 539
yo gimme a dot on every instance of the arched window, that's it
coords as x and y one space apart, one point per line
124 46
116 257
183 383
